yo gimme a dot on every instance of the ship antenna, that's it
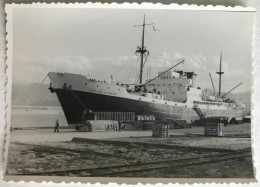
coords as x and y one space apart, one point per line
142 50
220 74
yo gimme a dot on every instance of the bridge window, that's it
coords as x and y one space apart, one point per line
172 92
86 83
97 85
163 84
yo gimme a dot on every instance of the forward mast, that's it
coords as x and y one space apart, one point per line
142 50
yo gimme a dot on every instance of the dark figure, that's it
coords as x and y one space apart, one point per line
57 127
119 126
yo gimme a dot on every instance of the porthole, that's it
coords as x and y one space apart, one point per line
86 83
97 85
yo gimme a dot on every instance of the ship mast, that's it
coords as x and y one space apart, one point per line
142 50
220 74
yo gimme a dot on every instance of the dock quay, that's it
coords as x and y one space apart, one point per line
186 152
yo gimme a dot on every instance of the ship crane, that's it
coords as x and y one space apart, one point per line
137 87
163 72
231 90
212 84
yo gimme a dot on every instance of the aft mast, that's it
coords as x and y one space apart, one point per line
142 50
220 74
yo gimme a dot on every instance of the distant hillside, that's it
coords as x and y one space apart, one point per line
33 94
243 97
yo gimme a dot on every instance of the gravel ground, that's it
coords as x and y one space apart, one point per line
40 151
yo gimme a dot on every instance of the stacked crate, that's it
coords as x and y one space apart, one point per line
112 127
144 118
214 129
148 125
116 116
161 131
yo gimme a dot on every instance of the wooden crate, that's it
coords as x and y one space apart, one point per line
214 129
161 131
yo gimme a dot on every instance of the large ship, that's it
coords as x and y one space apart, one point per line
172 94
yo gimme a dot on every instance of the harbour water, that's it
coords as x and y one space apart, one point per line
37 116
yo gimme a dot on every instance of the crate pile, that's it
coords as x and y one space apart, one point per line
116 116
144 118
112 127
161 131
214 129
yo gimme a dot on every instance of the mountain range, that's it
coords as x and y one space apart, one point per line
33 95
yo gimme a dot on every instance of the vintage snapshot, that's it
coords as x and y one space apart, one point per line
129 92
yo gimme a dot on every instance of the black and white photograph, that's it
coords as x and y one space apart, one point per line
130 92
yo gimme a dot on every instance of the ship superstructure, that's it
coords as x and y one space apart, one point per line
172 94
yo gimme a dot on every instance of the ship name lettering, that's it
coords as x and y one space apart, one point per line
98 91
110 93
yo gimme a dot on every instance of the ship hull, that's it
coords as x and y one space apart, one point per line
75 102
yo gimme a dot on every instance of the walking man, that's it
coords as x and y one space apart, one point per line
57 127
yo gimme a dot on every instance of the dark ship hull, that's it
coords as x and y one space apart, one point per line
75 102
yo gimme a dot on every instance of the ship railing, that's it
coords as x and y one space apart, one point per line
94 80
104 81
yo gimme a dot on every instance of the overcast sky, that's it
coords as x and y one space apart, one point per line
100 42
